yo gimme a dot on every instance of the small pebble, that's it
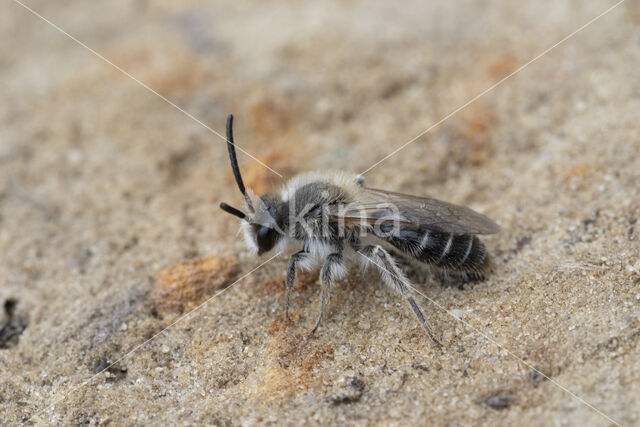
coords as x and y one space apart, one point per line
499 402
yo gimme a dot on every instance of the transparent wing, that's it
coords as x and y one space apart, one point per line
380 206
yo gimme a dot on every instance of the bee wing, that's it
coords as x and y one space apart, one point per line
380 206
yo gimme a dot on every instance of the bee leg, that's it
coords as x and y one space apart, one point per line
291 277
394 278
332 270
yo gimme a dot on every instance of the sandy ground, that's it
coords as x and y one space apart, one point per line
110 226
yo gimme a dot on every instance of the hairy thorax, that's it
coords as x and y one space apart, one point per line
308 203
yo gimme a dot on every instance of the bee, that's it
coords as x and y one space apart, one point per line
336 219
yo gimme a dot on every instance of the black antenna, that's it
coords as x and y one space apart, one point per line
233 211
234 162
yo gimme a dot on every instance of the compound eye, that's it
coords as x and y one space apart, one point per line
266 238
263 232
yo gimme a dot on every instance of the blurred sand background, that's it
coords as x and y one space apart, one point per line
110 226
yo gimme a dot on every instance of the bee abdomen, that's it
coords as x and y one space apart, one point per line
464 253
451 251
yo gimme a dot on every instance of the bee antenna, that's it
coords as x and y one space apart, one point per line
233 211
234 162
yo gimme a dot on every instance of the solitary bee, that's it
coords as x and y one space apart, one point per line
337 218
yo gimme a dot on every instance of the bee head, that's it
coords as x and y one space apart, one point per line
263 221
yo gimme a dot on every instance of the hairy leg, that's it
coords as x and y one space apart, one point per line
394 278
291 277
332 270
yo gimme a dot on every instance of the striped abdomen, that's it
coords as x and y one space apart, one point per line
464 252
